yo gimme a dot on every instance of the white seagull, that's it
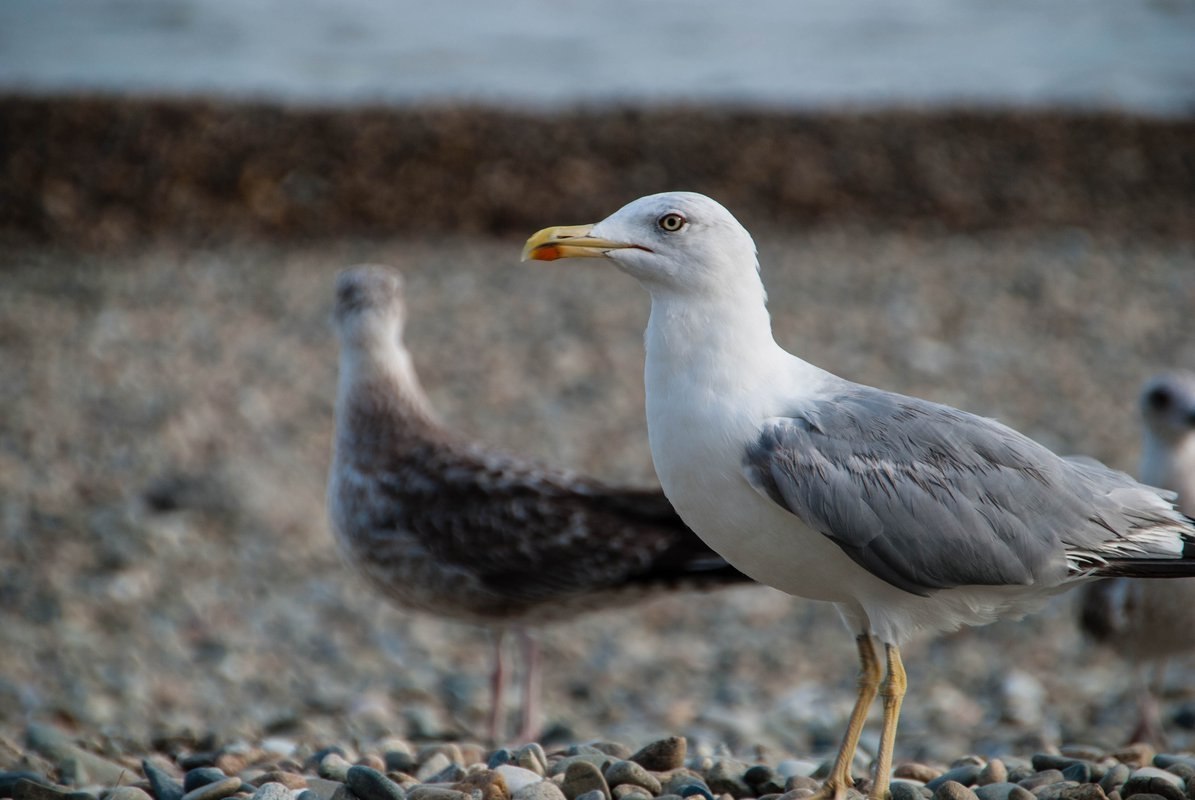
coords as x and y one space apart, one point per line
906 514
443 524
1152 621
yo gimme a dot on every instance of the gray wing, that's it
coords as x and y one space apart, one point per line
928 497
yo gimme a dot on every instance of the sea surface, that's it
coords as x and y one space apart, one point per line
1135 55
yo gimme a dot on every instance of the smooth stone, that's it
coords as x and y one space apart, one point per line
450 774
291 780
333 767
323 787
80 795
953 790
613 749
629 791
1002 791
913 771
628 772
1053 791
517 777
1085 791
801 782
499 757
662 755
1080 772
532 757
202 776
217 790
272 790
764 780
29 790
127 793
1165 760
1156 772
795 794
599 760
1139 754
725 777
435 763
370 784
1152 784
1115 777
1182 770
8 780
1043 778
161 783
965 774
993 772
544 790
1044 761
904 790
595 794
581 777
695 790
426 792
57 746
484 784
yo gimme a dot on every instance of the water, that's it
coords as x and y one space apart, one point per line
1125 54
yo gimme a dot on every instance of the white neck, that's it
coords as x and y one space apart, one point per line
1171 466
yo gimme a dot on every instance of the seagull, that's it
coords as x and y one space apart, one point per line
443 524
906 514
1151 621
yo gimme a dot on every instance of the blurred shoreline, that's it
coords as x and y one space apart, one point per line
96 171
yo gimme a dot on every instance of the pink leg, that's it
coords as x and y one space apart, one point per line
498 688
531 689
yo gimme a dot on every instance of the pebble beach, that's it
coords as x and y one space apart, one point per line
175 621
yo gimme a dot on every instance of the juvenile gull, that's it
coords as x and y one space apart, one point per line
445 525
1144 620
906 514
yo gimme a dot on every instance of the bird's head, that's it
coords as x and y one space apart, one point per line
1168 406
370 309
677 242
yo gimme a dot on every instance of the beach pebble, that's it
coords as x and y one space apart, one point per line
1053 791
953 790
628 772
544 790
662 755
966 774
726 777
30 790
517 778
368 783
581 777
216 790
484 784
433 765
993 772
1002 791
911 770
903 790
1046 777
272 790
1115 777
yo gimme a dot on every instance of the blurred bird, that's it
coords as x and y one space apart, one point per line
907 515
442 524
1150 620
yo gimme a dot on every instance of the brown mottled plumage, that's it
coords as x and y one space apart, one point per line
442 524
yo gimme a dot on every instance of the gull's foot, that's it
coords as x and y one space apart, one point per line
837 790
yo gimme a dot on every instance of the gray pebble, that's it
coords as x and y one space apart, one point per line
1165 760
8 780
595 794
127 793
435 763
726 777
29 790
628 772
965 774
216 790
801 782
615 749
1084 791
271 790
1020 772
1080 772
80 795
1044 761
499 757
333 767
1140 784
1053 791
201 776
993 772
161 783
1044 778
369 784
425 792
1003 791
695 790
307 794
1182 769
953 790
450 774
629 791
581 777
1115 777
598 760
544 790
764 780
1160 774
903 790
662 755
532 757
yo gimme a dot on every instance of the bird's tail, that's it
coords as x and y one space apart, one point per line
1178 560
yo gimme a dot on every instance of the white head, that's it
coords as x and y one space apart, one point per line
370 311
1168 407
677 242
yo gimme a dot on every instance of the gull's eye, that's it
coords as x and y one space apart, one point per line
671 222
1158 399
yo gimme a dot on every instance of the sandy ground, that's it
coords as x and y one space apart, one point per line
167 410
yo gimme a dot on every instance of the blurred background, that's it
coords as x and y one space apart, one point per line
991 205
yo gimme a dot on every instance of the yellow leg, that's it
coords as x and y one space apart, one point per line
893 693
869 682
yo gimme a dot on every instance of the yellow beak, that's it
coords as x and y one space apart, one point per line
569 241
